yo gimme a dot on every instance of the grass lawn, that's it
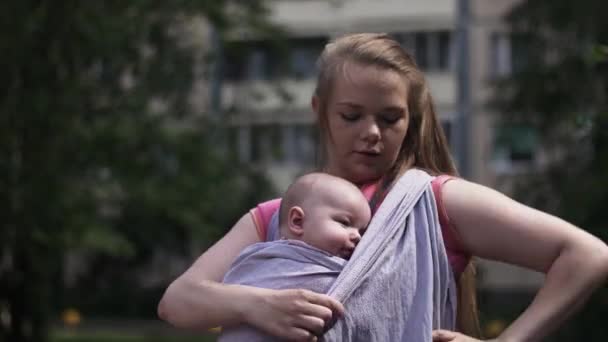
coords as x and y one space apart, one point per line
117 337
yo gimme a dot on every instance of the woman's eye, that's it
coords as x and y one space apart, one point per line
390 118
350 116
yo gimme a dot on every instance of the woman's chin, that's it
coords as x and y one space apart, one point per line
362 174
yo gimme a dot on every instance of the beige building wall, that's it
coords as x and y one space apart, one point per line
339 16
259 103
486 22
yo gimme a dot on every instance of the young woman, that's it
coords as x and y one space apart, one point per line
376 121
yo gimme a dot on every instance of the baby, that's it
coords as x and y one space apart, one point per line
326 212
321 220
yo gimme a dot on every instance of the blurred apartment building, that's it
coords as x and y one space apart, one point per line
269 106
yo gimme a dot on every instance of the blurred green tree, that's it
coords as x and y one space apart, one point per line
559 88
104 161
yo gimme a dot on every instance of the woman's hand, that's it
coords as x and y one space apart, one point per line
452 336
296 314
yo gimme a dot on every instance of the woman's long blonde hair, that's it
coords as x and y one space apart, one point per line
424 146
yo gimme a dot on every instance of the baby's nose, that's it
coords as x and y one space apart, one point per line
355 236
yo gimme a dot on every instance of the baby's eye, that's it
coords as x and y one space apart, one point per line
343 222
350 116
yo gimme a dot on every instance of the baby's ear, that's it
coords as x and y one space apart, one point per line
295 221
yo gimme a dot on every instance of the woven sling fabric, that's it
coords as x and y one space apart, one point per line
397 286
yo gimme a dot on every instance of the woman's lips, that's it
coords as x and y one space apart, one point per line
368 154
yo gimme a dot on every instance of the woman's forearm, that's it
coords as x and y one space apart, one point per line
569 283
201 305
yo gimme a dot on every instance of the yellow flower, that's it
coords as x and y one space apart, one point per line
71 317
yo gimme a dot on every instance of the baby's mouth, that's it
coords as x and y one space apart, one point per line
347 253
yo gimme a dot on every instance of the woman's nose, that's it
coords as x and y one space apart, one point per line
371 132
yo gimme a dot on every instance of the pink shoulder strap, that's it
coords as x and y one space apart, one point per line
437 184
459 257
262 214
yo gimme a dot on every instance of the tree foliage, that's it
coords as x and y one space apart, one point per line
559 86
103 159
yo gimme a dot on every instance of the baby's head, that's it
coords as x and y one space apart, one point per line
326 212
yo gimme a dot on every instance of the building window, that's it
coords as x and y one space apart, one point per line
253 60
235 63
500 55
274 143
303 56
299 144
407 41
521 56
305 144
421 51
514 144
264 60
445 50
257 65
243 143
432 51
266 143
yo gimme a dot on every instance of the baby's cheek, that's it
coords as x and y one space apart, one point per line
344 240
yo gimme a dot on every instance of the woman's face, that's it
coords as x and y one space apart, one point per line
367 118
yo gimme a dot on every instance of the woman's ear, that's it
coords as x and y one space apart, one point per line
295 221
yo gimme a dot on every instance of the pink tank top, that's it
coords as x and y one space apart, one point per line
457 255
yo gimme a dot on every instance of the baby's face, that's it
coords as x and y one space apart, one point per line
335 222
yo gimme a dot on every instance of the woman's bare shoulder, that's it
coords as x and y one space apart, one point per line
215 261
494 226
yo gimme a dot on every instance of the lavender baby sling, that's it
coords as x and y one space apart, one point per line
397 286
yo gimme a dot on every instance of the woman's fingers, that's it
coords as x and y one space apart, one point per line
324 307
451 336
443 335
319 311
315 325
300 334
295 314
335 306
